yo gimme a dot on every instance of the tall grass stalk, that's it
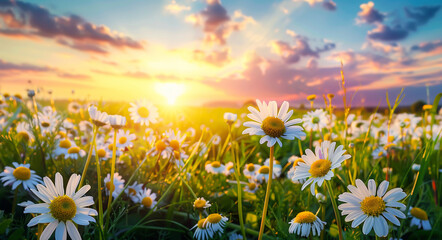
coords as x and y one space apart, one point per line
268 193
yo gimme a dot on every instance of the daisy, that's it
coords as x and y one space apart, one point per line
24 132
102 150
230 169
62 210
216 139
252 186
291 172
263 174
315 120
271 124
74 107
63 145
372 207
109 148
251 170
98 118
117 186
230 118
133 190
21 174
143 112
304 222
420 218
235 236
74 152
378 153
215 167
124 138
216 222
321 198
117 121
202 232
147 199
47 123
277 168
318 166
201 204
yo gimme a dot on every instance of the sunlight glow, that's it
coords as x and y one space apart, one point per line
171 91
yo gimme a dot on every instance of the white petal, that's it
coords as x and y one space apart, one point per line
60 232
46 234
73 231
59 184
368 225
383 188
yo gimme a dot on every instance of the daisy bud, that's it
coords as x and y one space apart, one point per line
31 93
416 167
321 198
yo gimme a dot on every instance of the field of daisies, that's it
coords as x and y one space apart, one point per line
95 170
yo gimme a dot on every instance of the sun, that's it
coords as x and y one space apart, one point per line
171 91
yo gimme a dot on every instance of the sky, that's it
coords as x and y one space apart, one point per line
195 52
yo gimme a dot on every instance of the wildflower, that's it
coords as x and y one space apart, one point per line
230 118
321 198
235 236
317 167
98 118
372 207
419 218
74 152
202 232
61 209
251 170
216 139
230 168
216 222
117 186
315 120
215 167
311 97
143 112
201 204
124 138
117 121
252 186
416 167
133 190
306 222
147 199
271 124
74 107
24 132
21 174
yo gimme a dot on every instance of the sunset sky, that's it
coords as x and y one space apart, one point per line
221 51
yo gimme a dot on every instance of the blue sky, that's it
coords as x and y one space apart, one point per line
225 51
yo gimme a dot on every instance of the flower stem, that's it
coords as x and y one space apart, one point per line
14 202
88 160
100 197
335 208
111 190
266 201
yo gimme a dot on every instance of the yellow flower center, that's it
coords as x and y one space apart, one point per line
273 127
110 147
201 223
45 124
298 161
373 206
216 164
74 150
252 186
315 120
175 145
65 143
419 213
101 153
390 139
199 203
147 202
264 170
311 97
250 167
23 136
160 145
214 218
320 168
63 208
229 167
427 107
122 140
305 217
22 173
143 112
110 186
132 192
380 154
62 134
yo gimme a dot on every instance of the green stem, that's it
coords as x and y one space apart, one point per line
14 202
100 197
266 201
88 160
335 208
111 190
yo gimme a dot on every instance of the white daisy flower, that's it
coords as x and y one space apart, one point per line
252 186
277 168
74 107
318 166
251 170
201 204
216 139
133 190
24 132
117 186
230 118
117 121
124 138
321 198
315 120
378 153
143 112
202 232
63 145
271 124
215 167
291 172
102 150
47 123
21 174
62 210
305 223
407 122
147 199
262 175
191 132
419 218
216 222
109 148
98 118
74 152
372 207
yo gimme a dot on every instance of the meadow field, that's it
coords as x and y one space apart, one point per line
204 173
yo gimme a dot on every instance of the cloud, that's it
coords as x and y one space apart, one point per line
24 67
215 57
21 19
73 76
420 15
83 46
369 14
428 46
175 8
326 4
216 23
301 48
386 33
